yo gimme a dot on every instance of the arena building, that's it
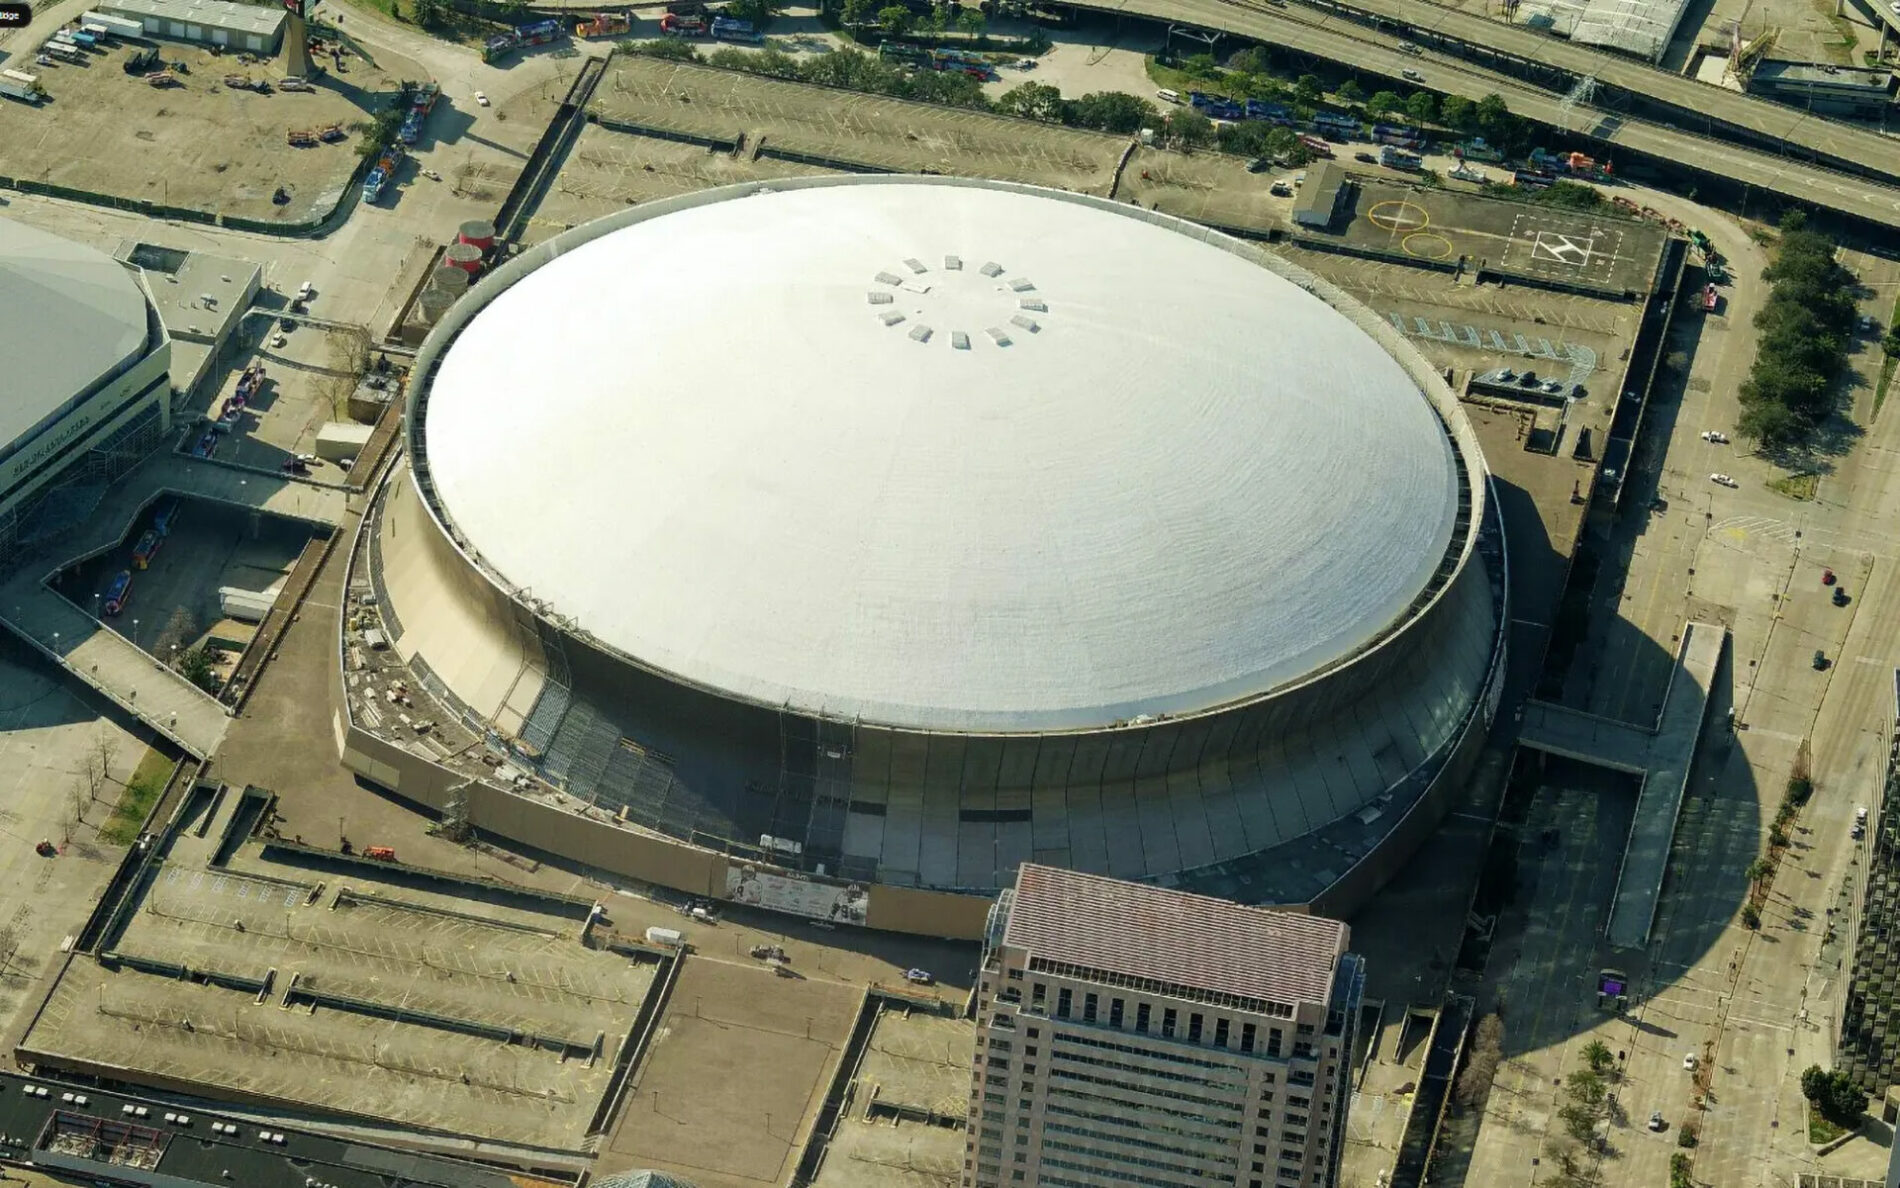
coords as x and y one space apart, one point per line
86 390
851 541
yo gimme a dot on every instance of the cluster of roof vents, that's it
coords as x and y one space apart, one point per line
959 340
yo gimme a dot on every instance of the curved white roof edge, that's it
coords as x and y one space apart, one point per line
1428 382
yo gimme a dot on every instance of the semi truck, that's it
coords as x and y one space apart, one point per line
17 84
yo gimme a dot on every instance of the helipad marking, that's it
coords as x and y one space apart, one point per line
1396 214
1562 249
1426 245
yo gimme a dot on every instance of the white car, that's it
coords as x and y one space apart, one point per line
1723 480
481 98
1715 436
305 291
1689 1061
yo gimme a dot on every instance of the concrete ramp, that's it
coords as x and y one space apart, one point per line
1660 754
106 660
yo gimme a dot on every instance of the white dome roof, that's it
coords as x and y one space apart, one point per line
941 455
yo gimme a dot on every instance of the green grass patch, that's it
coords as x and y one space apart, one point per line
1796 486
141 793
1820 1130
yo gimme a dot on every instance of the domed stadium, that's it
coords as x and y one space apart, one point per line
894 531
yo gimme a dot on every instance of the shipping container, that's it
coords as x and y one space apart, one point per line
119 26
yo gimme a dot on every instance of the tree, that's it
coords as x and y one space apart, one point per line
1758 871
1891 343
1585 1087
196 667
1190 129
1250 61
1598 1056
1481 1062
1579 1121
859 12
1422 107
1493 116
429 13
1282 143
670 49
895 19
971 21
1112 111
1383 103
1034 101
1458 112
1834 1093
1350 91
758 12
1308 89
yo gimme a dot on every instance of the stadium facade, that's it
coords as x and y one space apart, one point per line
86 391
839 545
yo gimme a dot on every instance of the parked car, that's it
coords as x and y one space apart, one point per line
1280 189
1723 480
919 977
1827 577
1715 436
1689 1061
1820 660
1366 158
1840 596
481 99
1656 1121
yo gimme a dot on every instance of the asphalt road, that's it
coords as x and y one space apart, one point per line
1711 104
1339 40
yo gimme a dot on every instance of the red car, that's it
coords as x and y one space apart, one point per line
1827 577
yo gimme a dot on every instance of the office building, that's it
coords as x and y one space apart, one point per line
1129 1034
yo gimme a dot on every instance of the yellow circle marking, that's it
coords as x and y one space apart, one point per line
1396 214
1426 245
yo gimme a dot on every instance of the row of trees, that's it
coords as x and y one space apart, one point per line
899 21
1805 327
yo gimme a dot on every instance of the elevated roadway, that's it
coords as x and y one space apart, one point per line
1660 754
1334 38
1703 106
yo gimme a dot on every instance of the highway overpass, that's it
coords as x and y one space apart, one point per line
1336 39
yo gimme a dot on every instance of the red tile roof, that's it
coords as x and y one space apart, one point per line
1144 931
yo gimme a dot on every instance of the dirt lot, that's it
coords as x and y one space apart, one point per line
739 1063
863 129
1206 187
198 145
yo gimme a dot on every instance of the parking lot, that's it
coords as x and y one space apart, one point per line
197 145
862 129
307 381
421 969
726 1092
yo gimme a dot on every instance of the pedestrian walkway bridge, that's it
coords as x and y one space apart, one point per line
102 658
1659 755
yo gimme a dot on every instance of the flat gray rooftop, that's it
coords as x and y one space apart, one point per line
68 315
1661 755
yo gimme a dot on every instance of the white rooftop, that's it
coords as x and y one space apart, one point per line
68 316
261 19
948 456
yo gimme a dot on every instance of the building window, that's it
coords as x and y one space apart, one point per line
1088 1006
1194 1028
998 1064
1275 1037
1168 1018
995 1098
1015 975
1029 1070
1033 1033
1029 1049
1220 1033
1016 1174
1247 1033
1115 1012
1141 1018
1038 995
1065 998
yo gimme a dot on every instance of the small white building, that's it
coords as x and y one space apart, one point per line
258 29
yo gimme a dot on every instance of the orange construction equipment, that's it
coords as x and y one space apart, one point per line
380 853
